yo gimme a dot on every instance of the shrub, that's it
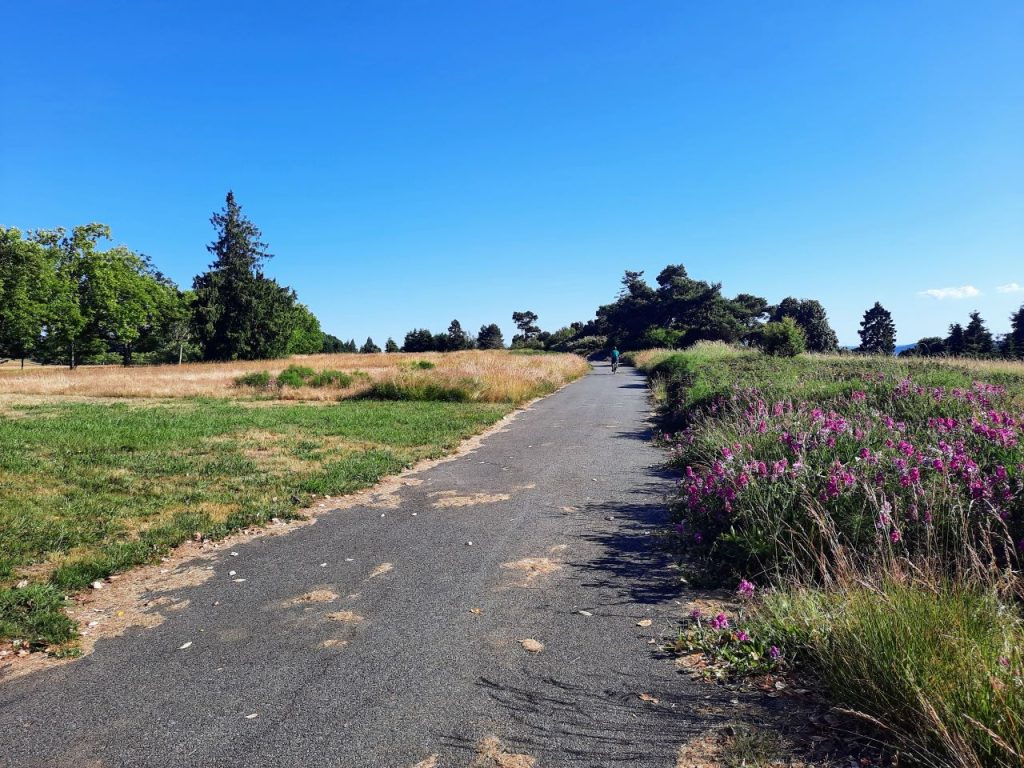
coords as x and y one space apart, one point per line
295 376
781 339
423 365
330 378
255 379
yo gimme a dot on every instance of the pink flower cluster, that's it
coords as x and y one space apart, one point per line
903 457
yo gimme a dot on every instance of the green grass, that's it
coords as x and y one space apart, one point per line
938 670
87 490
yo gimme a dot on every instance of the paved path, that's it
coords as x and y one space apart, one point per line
414 676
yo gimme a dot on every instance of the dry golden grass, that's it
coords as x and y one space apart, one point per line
492 376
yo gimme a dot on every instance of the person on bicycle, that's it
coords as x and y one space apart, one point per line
615 359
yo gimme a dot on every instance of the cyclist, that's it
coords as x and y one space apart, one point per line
615 359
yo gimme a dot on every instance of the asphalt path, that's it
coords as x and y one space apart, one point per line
418 659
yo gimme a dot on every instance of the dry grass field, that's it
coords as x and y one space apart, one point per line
478 376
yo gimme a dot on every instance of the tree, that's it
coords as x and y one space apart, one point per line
369 348
306 338
526 322
418 340
929 346
784 338
458 339
810 315
1015 338
26 282
176 327
955 343
977 338
877 332
239 313
391 347
77 292
490 337
332 344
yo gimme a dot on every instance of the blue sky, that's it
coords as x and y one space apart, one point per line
410 162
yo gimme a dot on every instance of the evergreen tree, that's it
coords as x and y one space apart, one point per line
977 338
1015 338
239 314
391 347
418 340
490 337
350 347
810 316
369 348
526 322
458 339
929 346
877 332
332 344
955 343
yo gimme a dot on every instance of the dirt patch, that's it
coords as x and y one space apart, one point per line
491 753
533 568
532 646
345 617
317 596
447 499
380 570
333 643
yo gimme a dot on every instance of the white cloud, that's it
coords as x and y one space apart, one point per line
963 292
1009 288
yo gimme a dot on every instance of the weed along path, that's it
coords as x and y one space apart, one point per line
498 609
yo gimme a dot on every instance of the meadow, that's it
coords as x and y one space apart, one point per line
871 511
103 469
493 376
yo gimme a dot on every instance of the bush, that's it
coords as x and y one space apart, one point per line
782 339
332 379
256 379
295 376
423 365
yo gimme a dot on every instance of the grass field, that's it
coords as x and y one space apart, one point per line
473 376
872 511
96 482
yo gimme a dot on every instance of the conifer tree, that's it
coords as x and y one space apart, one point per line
877 332
239 314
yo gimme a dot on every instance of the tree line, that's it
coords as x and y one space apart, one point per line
64 299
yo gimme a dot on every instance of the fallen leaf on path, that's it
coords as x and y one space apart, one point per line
430 762
252 716
477 611
644 623
531 645
186 645
584 613
647 697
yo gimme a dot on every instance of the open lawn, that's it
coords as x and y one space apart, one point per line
98 475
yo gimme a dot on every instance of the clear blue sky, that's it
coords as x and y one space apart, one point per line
413 161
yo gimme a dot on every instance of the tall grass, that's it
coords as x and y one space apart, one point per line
483 376
883 500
